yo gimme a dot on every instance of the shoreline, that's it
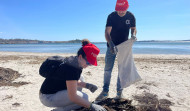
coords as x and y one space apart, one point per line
166 76
39 53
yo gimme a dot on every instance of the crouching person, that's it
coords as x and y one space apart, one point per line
60 89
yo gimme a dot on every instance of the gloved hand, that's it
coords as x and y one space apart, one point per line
95 107
134 37
91 87
113 48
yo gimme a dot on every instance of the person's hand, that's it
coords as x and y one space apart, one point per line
134 37
113 48
91 87
95 107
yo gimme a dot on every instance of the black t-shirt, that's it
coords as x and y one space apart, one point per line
120 26
68 70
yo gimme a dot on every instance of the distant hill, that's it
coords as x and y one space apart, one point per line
27 41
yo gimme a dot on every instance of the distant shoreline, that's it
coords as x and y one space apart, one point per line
27 41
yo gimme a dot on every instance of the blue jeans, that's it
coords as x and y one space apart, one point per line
109 63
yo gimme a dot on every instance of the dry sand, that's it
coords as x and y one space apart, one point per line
167 76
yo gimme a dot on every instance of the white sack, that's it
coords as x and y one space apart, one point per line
126 67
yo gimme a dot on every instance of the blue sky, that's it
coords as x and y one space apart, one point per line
61 20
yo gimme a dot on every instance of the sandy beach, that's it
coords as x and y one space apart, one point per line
166 76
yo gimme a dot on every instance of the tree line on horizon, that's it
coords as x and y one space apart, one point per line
28 41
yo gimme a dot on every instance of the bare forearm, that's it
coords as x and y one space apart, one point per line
80 101
108 38
107 34
81 84
133 31
72 93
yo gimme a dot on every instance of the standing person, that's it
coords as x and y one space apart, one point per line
118 25
60 88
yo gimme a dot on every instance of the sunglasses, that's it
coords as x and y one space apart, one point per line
87 63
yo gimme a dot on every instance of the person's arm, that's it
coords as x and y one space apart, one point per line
133 32
81 84
72 93
107 34
113 49
89 86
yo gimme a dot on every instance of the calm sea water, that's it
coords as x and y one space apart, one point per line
182 48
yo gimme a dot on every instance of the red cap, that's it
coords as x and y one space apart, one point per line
121 5
91 52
